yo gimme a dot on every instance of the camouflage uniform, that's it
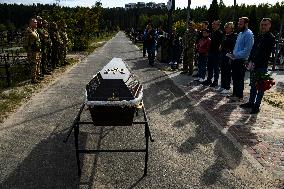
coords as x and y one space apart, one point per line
32 45
64 46
188 40
45 43
56 43
48 45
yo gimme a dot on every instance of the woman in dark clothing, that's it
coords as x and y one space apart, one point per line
174 49
151 44
227 46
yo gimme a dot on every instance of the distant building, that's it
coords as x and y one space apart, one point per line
161 5
151 5
140 5
143 5
130 5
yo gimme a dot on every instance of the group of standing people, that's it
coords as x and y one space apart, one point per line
46 46
214 50
233 54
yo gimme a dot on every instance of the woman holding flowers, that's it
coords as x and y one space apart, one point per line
258 63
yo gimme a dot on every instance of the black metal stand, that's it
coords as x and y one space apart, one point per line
77 122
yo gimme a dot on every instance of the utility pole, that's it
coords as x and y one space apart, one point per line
188 13
278 42
234 14
171 8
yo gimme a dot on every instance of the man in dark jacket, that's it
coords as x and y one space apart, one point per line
259 57
214 54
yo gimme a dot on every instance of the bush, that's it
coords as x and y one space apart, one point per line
81 43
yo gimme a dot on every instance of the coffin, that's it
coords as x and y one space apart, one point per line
113 95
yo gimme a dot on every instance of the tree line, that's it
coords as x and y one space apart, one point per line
85 22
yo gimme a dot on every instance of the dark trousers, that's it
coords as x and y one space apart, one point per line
151 55
144 48
226 71
256 95
238 76
188 57
202 61
213 66
55 57
175 54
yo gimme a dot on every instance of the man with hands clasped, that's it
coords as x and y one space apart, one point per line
240 55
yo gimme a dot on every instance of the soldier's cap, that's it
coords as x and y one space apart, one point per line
39 18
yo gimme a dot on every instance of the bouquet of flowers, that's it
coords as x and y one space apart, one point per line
263 81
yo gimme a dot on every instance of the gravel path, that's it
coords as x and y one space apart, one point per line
188 152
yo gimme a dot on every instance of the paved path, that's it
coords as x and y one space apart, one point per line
261 135
189 151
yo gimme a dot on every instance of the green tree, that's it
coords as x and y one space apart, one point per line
253 23
213 11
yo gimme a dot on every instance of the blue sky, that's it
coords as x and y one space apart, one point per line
121 3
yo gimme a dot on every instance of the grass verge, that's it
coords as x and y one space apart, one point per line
12 98
275 99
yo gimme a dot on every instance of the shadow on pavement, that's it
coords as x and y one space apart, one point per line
51 113
227 155
51 164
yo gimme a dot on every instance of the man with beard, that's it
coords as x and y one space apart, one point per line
259 57
240 55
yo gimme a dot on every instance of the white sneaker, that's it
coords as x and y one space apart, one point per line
225 92
175 63
197 79
201 80
170 63
219 89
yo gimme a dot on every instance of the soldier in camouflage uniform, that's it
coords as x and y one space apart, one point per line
45 40
32 46
56 44
65 42
188 41
48 46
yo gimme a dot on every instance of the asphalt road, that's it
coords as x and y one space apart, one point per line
188 152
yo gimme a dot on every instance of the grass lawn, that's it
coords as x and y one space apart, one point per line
11 98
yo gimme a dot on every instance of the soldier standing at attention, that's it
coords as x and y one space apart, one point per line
32 46
43 35
188 41
56 43
65 41
48 45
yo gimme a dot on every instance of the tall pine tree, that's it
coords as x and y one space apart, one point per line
213 11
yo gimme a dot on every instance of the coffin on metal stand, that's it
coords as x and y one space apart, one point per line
113 96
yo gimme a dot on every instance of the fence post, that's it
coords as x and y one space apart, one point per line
8 75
